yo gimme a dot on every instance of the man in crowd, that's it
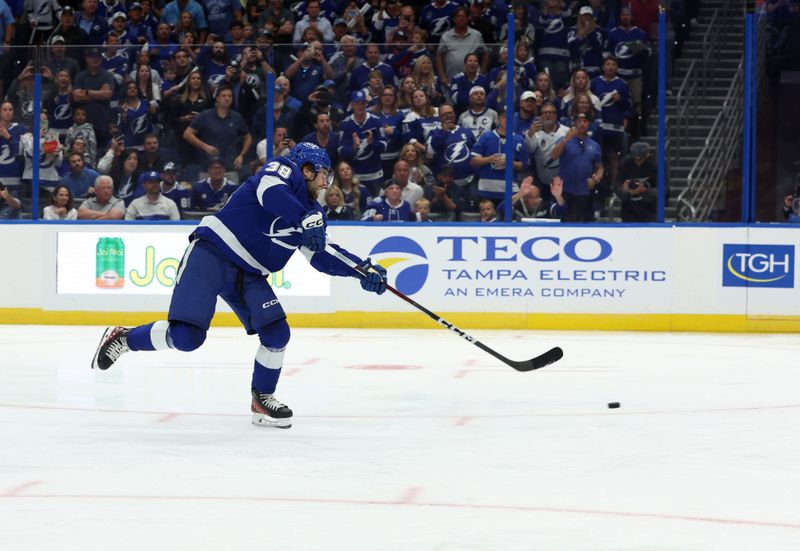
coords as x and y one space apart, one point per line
580 168
362 144
411 192
478 118
638 185
150 156
360 76
152 205
313 19
456 44
92 23
447 196
171 188
528 202
390 207
80 180
450 146
211 194
540 140
103 206
489 159
323 137
93 89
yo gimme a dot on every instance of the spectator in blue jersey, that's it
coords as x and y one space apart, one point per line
324 137
92 23
637 187
552 43
454 46
463 83
614 97
524 66
153 205
103 206
487 210
173 10
221 13
421 119
162 48
586 41
425 79
391 121
124 171
579 83
309 71
135 119
355 195
628 43
581 169
529 105
80 180
21 93
390 207
362 143
10 205
10 147
221 132
448 198
107 8
335 206
173 189
137 28
400 57
478 119
451 145
529 203
489 159
212 194
540 139
372 62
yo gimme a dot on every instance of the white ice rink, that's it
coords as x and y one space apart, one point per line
403 440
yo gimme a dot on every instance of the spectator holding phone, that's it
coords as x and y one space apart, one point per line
10 205
638 185
362 143
580 168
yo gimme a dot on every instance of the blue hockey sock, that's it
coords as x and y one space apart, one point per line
152 336
269 358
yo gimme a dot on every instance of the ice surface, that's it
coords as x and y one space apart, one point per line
406 440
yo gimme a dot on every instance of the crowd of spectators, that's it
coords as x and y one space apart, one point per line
153 110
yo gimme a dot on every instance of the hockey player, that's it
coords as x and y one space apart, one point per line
271 215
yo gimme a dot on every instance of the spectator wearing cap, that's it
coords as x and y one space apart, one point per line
390 207
450 145
400 57
313 19
172 12
79 179
221 132
276 18
103 206
637 186
343 63
478 118
309 71
137 28
586 41
153 205
171 188
119 27
529 105
362 143
58 60
456 44
221 13
540 138
489 159
372 55
463 83
211 194
324 137
73 35
93 89
580 168
40 15
245 96
92 23
410 191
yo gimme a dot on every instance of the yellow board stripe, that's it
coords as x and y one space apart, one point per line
467 320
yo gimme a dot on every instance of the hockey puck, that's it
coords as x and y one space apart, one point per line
613 405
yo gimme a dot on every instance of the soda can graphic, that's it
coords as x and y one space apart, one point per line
110 263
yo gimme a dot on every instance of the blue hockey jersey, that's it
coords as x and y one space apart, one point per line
136 123
436 20
460 85
587 52
491 179
614 112
402 213
259 228
181 196
208 198
365 159
552 36
452 149
630 48
59 113
10 154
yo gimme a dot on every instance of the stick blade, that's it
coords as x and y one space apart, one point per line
540 361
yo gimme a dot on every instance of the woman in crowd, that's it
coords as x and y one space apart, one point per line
419 173
51 153
586 42
420 120
148 89
355 195
136 118
524 65
61 205
124 172
184 26
10 134
391 124
462 83
59 109
583 104
335 207
374 88
406 90
522 27
544 84
185 108
426 79
578 84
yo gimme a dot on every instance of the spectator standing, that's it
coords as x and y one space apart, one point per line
583 105
211 194
479 119
74 36
343 63
93 89
246 97
484 23
61 205
372 55
579 83
463 83
219 131
436 16
637 187
171 188
586 42
489 159
50 155
454 46
614 97
529 106
581 169
391 121
309 71
425 78
276 18
92 23
324 137
163 47
335 207
152 205
125 173
628 43
10 147
81 129
523 29
362 143
135 117
80 180
540 139
389 208
173 10
315 20
221 13
524 66
552 42
150 155
103 206
451 146
40 15
420 121
58 59
528 202
21 93
186 108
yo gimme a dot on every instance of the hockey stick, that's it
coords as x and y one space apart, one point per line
551 356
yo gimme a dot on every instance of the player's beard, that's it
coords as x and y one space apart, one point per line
313 190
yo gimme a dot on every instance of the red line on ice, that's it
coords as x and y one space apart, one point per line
17 490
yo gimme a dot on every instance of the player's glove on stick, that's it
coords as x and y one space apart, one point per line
313 231
375 278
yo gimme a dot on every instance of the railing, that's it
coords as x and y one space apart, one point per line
707 178
677 125
718 28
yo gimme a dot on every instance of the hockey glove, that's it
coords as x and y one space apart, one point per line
375 278
313 231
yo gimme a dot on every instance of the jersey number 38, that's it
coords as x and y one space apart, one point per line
282 170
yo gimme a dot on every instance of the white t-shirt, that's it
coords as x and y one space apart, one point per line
541 145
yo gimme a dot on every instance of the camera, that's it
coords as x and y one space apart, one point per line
633 184
2 187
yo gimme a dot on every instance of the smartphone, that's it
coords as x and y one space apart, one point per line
2 187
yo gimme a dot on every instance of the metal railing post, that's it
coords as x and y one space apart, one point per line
509 176
662 110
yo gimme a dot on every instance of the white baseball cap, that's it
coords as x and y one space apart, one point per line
476 89
527 95
586 10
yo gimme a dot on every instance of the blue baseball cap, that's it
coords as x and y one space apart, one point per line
149 176
358 95
328 83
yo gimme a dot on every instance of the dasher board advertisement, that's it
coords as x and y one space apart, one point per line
140 263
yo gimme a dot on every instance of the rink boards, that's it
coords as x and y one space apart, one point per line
541 276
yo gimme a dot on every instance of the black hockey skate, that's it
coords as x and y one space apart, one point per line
269 412
113 344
